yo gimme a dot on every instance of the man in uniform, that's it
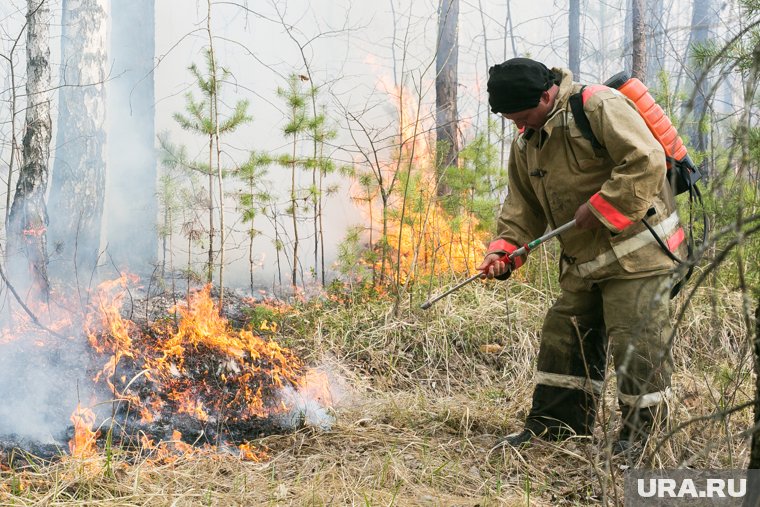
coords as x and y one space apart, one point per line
615 276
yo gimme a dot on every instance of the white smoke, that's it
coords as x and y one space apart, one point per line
41 381
315 401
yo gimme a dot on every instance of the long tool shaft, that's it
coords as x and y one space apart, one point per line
520 251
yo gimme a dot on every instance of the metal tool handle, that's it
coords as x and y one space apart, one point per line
427 304
520 251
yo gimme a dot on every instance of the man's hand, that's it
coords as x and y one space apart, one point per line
496 266
585 219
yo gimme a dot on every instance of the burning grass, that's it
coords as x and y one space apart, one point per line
167 387
427 400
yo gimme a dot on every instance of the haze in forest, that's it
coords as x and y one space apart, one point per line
350 49
358 54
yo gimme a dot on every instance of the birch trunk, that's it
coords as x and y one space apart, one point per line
77 188
27 221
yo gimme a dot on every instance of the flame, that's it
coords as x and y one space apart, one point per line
83 443
428 244
180 445
316 385
201 368
424 238
198 373
249 453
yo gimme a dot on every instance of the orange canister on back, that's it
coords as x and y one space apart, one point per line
656 119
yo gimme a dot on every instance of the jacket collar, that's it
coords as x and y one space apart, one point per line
565 89
560 102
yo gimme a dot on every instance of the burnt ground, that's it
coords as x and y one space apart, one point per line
121 425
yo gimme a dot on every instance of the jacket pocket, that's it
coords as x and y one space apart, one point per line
583 151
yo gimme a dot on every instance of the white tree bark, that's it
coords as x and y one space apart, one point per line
27 222
574 39
78 180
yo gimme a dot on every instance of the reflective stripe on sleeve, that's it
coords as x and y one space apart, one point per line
589 90
645 400
676 239
569 382
609 212
665 229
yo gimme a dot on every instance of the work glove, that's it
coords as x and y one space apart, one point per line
508 273
501 264
498 258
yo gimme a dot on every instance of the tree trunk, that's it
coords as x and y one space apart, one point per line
700 33
131 206
639 46
78 180
27 221
294 211
655 30
753 497
446 91
574 41
627 35
219 175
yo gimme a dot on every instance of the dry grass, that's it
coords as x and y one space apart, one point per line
425 396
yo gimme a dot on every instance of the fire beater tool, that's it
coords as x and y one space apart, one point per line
526 248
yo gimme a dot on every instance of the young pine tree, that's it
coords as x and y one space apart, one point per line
201 117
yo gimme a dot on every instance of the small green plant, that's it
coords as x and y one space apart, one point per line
262 316
252 200
203 117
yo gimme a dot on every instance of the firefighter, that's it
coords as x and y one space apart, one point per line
615 276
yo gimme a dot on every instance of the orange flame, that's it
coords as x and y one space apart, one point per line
202 367
249 453
83 444
423 237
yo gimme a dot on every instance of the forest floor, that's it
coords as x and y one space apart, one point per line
420 399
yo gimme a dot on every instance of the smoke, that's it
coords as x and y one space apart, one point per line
314 402
130 208
41 381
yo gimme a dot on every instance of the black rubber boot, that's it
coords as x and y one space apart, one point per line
637 424
516 440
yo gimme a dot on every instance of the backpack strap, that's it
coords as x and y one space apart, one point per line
581 120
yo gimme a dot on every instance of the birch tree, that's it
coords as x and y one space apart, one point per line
27 221
78 179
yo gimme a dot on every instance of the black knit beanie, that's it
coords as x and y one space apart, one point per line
517 85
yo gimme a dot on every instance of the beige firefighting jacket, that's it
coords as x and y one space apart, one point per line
555 170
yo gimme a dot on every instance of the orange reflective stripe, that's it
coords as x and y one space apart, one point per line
609 212
676 239
589 90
